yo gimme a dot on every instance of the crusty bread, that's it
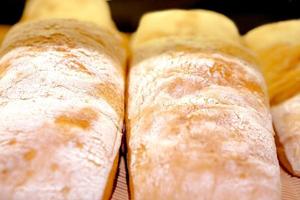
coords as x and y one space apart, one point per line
198 123
61 107
278 47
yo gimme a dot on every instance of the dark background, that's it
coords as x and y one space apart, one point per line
247 14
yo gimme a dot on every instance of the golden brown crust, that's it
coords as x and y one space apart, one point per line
66 33
194 23
278 48
283 81
3 30
194 30
111 180
96 11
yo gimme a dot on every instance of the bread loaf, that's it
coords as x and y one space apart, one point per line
61 109
278 48
198 124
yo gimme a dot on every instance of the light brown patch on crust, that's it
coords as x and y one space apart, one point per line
12 142
30 155
54 167
225 72
3 68
75 64
109 92
66 190
79 145
23 181
82 119
4 172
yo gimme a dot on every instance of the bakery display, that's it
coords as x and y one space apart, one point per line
61 104
198 120
278 48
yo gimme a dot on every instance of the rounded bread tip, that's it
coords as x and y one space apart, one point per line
176 22
95 11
